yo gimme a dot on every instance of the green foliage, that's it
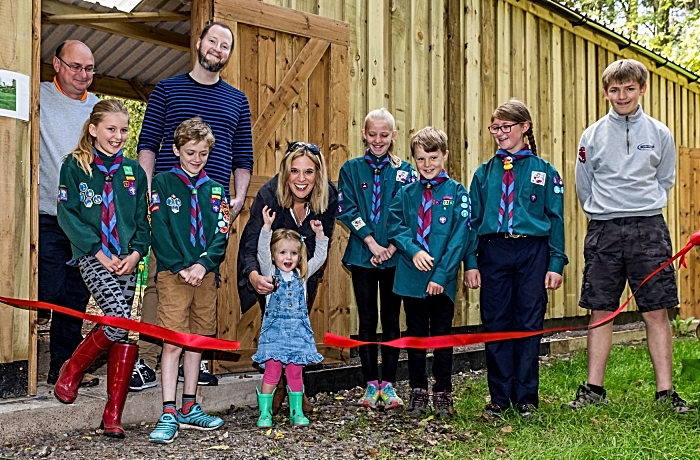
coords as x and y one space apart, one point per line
668 27
136 111
681 327
632 426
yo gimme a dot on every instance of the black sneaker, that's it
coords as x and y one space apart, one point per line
442 403
526 410
492 412
586 397
418 404
206 378
142 376
677 403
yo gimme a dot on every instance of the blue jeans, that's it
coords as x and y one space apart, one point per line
61 285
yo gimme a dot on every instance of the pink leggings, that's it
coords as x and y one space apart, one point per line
273 373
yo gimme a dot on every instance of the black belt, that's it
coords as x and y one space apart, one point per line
504 235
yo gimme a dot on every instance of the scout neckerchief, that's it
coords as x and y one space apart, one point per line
377 165
109 216
508 185
195 211
425 212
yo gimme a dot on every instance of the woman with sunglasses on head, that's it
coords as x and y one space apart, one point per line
515 253
298 195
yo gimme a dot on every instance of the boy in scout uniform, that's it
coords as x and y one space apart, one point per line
429 222
190 219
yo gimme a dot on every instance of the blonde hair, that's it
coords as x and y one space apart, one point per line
624 70
83 152
517 112
193 129
318 198
384 115
430 140
283 235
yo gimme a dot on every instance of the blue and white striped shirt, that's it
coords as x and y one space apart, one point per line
222 106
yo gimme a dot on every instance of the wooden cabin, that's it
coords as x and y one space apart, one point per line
312 70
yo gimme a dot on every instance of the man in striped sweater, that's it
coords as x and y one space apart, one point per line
202 93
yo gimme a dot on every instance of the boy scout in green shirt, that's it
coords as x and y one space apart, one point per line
429 223
190 219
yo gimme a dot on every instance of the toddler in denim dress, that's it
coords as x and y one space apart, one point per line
286 339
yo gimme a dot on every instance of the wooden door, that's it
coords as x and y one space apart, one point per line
689 220
293 66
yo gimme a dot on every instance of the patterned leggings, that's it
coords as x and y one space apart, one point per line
113 294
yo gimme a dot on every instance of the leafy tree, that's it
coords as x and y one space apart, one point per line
668 27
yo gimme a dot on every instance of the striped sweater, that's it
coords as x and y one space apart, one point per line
222 106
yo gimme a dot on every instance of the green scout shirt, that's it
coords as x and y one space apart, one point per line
449 231
355 188
538 206
80 207
170 222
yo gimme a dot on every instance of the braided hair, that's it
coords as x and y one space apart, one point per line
517 112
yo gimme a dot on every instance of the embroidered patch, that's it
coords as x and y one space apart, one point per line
364 185
128 171
442 220
340 209
340 197
533 197
645 147
582 154
464 213
557 190
464 198
217 191
401 176
132 190
224 217
155 199
447 202
358 223
97 199
62 193
538 177
82 186
174 203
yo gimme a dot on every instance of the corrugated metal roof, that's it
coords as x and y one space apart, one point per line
121 57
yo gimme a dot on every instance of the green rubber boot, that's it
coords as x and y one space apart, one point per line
265 408
296 413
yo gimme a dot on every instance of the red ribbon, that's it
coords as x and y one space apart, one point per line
178 338
447 341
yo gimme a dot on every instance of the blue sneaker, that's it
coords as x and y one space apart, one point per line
198 420
371 397
166 429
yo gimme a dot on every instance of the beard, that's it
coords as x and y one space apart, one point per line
211 66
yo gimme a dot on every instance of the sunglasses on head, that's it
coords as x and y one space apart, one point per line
294 146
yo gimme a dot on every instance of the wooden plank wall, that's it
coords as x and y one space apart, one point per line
15 184
449 63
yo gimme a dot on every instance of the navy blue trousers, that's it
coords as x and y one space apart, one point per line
513 298
61 285
426 317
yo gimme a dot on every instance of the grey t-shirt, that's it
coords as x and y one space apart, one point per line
61 121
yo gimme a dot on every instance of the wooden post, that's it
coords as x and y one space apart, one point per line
201 12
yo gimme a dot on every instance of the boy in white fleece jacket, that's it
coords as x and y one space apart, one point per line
625 170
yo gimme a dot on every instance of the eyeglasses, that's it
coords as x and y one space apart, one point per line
91 69
313 148
493 129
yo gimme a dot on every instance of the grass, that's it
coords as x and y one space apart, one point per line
632 426
8 100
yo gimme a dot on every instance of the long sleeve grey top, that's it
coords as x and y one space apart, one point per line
267 268
626 166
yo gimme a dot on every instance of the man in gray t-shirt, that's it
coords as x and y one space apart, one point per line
65 106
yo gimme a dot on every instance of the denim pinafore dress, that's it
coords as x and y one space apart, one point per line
286 334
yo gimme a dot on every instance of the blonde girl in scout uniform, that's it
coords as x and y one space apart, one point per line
366 187
515 253
428 224
190 219
103 211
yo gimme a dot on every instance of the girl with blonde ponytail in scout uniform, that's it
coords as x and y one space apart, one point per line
190 218
429 223
515 253
366 187
103 211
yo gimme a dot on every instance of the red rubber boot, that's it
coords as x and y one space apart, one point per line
72 371
119 367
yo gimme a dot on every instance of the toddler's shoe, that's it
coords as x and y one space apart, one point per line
166 429
197 419
442 402
390 398
371 397
418 403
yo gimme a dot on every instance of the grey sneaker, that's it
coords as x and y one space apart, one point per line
677 403
492 412
418 404
442 403
526 410
585 397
